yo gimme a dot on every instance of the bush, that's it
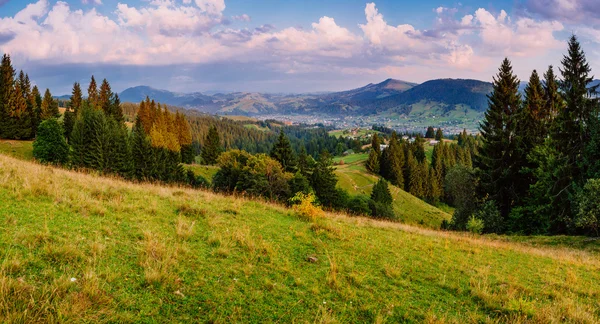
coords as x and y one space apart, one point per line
475 225
50 145
304 205
359 205
383 211
588 206
491 217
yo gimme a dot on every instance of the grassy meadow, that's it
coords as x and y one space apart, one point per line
354 177
81 248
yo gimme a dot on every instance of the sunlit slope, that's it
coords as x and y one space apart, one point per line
354 177
81 248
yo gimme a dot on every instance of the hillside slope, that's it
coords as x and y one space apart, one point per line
81 248
354 177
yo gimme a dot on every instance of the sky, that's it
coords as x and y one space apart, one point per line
287 46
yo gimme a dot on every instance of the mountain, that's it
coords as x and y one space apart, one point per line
443 95
139 93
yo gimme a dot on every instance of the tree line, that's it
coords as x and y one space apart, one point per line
92 134
282 174
537 168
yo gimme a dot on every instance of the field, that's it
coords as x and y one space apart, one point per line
81 248
206 171
353 177
20 149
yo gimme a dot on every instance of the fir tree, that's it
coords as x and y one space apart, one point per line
496 156
372 163
552 97
439 135
430 132
104 98
76 99
282 152
93 93
392 162
36 101
376 145
324 181
7 76
49 107
212 147
381 193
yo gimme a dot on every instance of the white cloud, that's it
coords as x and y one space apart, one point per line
164 32
97 2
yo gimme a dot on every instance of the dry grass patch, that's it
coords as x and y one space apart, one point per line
184 227
158 260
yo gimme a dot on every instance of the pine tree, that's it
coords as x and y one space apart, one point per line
36 103
93 93
381 193
552 97
496 156
20 115
430 132
282 152
376 145
115 108
50 145
104 98
7 76
324 181
372 163
439 135
76 98
49 106
212 147
569 135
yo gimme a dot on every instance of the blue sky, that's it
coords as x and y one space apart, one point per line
286 46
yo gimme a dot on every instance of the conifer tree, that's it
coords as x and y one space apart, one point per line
115 108
324 181
381 193
36 102
552 97
372 163
49 106
104 98
569 135
20 115
93 93
7 76
496 156
439 134
212 147
430 132
376 145
282 152
76 99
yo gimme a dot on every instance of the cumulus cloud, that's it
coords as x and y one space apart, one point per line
565 10
169 32
96 2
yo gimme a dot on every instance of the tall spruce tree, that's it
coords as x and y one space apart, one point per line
212 147
49 107
392 162
372 163
495 160
7 77
36 102
569 134
93 93
439 134
552 96
324 181
282 152
381 193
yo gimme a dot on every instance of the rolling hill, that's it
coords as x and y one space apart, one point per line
389 95
82 248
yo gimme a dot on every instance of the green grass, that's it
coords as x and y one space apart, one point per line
354 178
206 171
352 158
145 253
19 149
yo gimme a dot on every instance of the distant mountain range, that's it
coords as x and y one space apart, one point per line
443 96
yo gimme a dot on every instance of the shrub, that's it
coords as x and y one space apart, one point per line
491 217
588 206
304 205
379 210
475 225
50 145
359 205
